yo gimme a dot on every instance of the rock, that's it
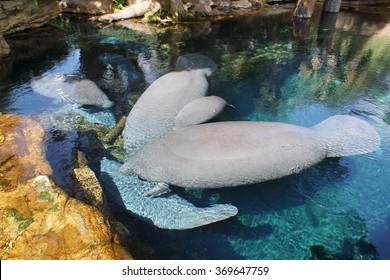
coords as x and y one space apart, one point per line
224 5
29 44
41 217
21 151
202 6
88 189
137 9
304 8
19 15
241 4
96 7
4 47
36 214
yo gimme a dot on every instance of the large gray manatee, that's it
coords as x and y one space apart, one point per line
159 109
72 89
229 154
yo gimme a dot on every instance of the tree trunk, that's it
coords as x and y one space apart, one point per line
304 8
331 6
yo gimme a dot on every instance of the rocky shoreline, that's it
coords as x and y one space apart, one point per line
37 214
19 15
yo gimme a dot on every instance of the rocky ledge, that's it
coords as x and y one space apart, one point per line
18 15
37 219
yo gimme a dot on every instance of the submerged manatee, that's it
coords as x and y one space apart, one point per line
158 110
229 154
122 66
71 88
132 46
169 212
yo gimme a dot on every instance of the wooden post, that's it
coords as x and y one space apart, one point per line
301 27
326 29
304 8
331 6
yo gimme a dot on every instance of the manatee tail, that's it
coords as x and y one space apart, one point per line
346 135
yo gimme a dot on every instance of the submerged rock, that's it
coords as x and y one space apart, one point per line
36 214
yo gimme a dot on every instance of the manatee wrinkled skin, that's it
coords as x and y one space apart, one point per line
229 154
156 110
72 89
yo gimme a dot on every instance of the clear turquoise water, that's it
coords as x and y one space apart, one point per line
268 70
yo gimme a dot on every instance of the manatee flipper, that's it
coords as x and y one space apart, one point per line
159 189
170 212
346 135
199 111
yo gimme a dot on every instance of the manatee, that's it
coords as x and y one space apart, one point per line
199 111
132 46
169 212
159 108
230 154
72 89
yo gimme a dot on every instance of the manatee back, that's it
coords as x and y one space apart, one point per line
154 113
199 111
71 88
87 92
228 154
189 62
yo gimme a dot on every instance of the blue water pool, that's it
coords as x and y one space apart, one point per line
270 68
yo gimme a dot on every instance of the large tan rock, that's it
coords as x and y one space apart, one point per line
21 152
37 219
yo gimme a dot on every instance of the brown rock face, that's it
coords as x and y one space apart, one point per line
37 219
18 15
4 47
21 151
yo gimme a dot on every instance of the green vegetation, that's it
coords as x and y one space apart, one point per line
119 5
12 213
45 196
54 208
22 222
173 11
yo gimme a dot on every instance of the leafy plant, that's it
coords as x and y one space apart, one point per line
119 4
